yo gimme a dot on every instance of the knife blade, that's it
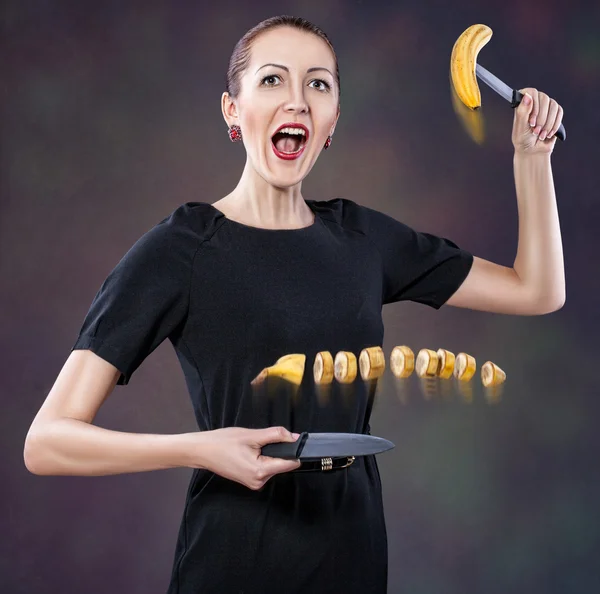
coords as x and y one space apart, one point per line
513 96
314 446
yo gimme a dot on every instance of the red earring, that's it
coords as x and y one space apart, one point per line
235 133
328 142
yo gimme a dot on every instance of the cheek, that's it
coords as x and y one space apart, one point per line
256 121
326 120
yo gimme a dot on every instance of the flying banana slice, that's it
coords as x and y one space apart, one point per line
345 367
463 62
446 361
492 375
323 368
371 363
427 363
288 367
464 367
402 361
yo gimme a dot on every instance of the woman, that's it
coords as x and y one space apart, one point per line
261 273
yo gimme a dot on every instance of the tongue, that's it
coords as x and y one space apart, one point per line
287 144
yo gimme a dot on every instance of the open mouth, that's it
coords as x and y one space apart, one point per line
289 141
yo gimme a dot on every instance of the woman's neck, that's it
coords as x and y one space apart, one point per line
256 202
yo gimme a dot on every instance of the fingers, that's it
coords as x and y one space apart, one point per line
267 468
548 121
555 125
274 435
273 466
530 111
544 114
235 454
542 117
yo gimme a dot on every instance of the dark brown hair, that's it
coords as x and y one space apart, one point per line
241 52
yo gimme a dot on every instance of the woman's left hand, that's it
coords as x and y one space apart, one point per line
535 123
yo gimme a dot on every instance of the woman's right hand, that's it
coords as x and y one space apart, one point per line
235 453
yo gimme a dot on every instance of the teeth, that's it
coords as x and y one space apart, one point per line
293 131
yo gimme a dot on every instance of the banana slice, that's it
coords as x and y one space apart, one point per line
323 368
288 367
371 363
446 361
464 367
427 363
345 367
492 375
402 361
463 62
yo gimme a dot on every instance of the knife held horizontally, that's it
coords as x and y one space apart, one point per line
314 446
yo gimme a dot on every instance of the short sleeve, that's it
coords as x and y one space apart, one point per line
417 266
143 300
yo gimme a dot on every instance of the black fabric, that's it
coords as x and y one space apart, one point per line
232 299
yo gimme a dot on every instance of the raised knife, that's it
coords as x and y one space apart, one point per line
513 96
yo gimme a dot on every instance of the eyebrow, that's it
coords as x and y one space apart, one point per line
287 69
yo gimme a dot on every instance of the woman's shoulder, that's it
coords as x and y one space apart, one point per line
345 212
195 215
336 208
197 220
182 231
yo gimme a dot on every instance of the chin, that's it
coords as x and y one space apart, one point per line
283 184
283 181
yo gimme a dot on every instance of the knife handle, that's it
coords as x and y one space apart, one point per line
290 450
561 133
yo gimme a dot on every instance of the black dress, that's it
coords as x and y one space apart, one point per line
232 299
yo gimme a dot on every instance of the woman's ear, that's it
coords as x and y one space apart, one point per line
337 117
229 109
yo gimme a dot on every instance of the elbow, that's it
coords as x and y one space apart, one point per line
34 454
548 306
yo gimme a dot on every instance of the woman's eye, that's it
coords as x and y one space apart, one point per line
269 81
322 85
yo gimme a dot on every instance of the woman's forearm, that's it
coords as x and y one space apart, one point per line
539 262
73 447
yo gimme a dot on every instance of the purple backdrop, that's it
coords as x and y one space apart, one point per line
111 119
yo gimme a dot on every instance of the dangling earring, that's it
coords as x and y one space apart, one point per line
328 142
235 133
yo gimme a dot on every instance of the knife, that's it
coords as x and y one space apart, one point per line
314 446
511 95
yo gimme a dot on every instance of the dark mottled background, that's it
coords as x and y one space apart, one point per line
111 119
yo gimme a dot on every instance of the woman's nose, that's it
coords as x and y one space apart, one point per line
296 102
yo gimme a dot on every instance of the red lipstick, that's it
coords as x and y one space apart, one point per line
298 153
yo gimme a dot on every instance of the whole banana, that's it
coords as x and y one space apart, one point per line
463 62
